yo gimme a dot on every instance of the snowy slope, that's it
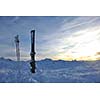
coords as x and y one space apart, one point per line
49 71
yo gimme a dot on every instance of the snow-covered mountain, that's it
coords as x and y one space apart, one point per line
49 71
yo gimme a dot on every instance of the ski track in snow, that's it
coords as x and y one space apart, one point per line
49 71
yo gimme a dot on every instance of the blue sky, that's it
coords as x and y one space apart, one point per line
64 37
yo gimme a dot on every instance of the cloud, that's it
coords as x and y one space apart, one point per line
15 19
98 53
79 37
55 36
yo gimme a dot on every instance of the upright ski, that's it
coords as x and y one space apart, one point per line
32 63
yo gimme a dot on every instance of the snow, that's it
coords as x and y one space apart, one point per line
49 71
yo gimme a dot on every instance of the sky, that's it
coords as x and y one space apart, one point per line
57 37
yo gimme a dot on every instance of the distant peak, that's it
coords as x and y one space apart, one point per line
46 59
2 58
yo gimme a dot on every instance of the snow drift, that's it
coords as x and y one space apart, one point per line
49 71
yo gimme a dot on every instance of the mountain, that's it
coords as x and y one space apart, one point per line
49 71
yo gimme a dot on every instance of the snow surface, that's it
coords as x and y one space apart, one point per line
49 71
